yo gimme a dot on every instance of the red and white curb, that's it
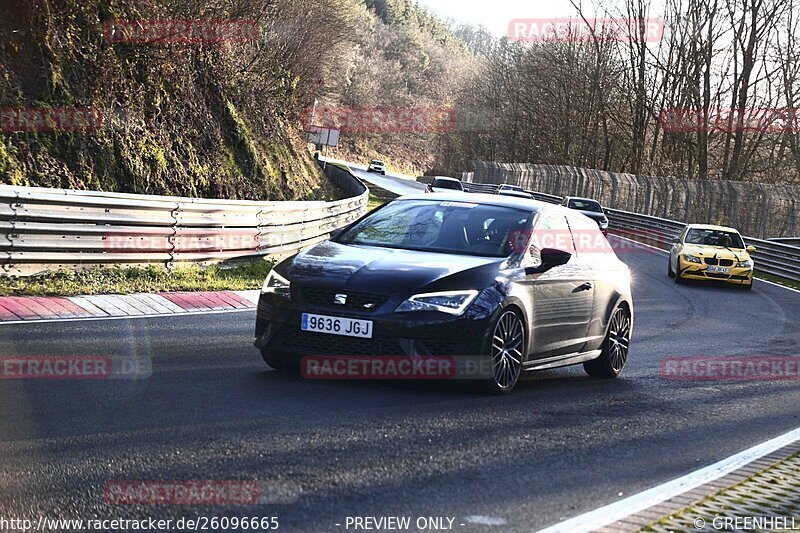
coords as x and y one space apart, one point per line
34 308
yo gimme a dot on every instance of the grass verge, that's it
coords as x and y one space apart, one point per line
154 278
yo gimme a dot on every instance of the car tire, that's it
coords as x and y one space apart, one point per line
383 173
670 273
505 360
614 353
280 363
747 287
678 279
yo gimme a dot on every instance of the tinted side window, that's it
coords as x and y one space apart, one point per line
553 232
589 241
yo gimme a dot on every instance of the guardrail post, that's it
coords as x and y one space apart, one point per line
259 231
170 264
11 235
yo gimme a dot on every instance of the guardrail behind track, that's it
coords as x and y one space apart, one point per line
44 229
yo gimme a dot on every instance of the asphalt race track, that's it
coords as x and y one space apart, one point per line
560 445
389 182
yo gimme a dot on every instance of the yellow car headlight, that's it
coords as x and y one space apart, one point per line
691 259
747 263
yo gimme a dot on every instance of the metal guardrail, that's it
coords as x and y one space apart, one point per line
45 229
792 241
778 257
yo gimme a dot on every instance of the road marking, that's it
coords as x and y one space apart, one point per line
644 500
127 317
761 280
485 520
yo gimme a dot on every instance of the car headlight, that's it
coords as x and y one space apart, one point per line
604 224
691 259
747 263
452 302
276 284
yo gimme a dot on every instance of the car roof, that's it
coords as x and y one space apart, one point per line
512 192
487 199
447 178
712 227
581 198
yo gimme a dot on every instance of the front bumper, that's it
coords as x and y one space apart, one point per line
699 271
394 334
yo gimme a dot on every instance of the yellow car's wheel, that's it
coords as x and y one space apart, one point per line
678 279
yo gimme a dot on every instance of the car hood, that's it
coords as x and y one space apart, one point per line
701 250
386 270
594 215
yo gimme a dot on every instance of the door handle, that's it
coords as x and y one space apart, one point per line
585 287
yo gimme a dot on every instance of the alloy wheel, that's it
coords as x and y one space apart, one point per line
619 331
508 341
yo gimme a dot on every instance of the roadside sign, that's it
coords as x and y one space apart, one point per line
323 136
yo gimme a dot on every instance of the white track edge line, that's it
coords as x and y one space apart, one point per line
129 317
760 279
621 509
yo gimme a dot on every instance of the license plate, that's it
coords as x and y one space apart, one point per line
349 327
720 270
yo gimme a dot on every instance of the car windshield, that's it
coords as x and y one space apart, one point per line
712 237
511 188
447 184
377 163
585 205
439 226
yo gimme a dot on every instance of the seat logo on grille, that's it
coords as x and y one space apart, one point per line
340 299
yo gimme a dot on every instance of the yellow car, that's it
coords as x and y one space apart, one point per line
711 252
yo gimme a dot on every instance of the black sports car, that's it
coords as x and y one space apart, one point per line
590 208
454 276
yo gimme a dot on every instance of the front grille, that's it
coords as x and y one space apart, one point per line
359 301
311 343
293 340
721 262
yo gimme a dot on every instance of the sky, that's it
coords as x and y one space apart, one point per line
496 14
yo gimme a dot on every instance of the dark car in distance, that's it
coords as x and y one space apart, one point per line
514 193
454 275
445 184
590 208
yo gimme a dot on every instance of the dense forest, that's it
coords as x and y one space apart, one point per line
224 118
716 97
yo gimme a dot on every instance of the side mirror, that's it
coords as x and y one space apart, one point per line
751 248
550 258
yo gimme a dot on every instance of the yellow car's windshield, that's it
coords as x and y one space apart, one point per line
711 237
